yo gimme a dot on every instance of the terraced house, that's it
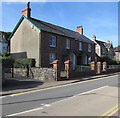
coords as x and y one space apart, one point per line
33 38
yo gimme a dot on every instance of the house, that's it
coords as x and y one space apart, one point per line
103 48
117 53
3 43
32 38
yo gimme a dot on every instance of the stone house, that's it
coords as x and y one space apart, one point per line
32 38
117 53
103 48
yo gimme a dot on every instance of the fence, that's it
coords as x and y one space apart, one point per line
82 68
114 67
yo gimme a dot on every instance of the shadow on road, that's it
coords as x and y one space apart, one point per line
13 84
30 101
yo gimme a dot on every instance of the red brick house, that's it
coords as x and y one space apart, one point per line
32 38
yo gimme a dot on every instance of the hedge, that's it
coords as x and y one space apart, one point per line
17 63
23 62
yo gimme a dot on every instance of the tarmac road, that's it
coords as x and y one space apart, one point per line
22 102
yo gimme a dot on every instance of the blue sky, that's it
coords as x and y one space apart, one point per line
97 18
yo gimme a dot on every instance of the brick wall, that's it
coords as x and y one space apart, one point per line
60 48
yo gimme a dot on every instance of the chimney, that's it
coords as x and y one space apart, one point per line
27 11
79 29
94 37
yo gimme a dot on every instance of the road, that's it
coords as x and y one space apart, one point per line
18 103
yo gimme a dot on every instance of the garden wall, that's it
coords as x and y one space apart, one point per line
43 74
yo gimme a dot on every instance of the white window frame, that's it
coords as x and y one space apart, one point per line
80 46
67 44
52 41
89 47
52 57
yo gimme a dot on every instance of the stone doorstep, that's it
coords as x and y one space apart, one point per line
90 104
51 84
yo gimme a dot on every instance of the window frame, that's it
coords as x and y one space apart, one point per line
53 58
89 48
67 44
80 46
53 41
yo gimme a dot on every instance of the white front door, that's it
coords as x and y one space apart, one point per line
73 60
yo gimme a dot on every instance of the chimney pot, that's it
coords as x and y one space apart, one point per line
94 37
27 11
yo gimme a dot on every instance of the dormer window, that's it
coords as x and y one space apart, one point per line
67 44
80 46
52 41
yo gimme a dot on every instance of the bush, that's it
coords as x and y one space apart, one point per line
108 60
23 62
6 54
5 57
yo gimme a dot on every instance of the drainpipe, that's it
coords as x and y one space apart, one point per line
39 49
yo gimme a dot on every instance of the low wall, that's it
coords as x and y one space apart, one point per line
113 70
43 74
20 72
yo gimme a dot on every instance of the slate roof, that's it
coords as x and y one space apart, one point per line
117 49
59 30
104 44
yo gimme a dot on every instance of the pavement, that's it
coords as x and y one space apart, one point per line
13 86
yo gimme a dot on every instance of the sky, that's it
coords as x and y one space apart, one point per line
97 18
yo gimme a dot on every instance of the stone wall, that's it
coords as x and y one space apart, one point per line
43 74
20 72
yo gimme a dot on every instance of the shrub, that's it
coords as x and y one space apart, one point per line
108 60
6 54
5 57
23 62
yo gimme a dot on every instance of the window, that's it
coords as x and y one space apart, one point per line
80 46
89 47
52 57
52 41
67 44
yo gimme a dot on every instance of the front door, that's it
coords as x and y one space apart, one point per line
85 59
73 60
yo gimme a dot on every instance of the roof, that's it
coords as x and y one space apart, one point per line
104 44
41 25
117 49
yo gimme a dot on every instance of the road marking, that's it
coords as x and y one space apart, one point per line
2 97
110 112
90 91
60 86
26 111
48 105
113 112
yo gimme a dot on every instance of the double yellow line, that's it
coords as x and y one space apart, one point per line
110 112
32 91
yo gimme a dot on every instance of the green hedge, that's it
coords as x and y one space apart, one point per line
23 62
108 60
17 63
